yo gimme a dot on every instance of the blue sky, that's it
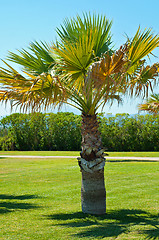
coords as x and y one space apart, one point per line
24 21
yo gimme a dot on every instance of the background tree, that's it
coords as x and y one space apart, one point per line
82 70
151 105
62 131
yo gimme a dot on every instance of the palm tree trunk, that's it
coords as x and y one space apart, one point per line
92 161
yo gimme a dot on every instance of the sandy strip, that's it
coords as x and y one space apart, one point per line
108 158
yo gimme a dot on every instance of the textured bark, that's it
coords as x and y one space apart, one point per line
93 194
91 138
92 161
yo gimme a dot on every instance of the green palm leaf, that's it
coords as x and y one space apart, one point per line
36 60
73 29
142 44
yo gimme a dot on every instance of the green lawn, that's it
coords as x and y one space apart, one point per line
40 199
76 153
41 153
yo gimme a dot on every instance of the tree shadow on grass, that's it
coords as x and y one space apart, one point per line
11 206
112 224
18 197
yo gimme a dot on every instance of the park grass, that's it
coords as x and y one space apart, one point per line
40 199
76 153
41 153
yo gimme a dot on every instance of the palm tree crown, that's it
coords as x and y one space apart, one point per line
81 68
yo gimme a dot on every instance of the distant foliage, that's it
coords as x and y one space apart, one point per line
61 131
126 133
29 132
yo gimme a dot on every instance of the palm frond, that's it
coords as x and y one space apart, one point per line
75 57
109 68
109 99
30 93
141 82
72 30
142 44
36 59
151 105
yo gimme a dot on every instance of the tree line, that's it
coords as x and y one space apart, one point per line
62 132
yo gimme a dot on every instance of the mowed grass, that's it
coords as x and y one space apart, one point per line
76 153
40 199
41 153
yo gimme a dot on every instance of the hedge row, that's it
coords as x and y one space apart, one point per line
61 131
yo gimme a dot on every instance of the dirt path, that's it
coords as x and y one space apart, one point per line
108 158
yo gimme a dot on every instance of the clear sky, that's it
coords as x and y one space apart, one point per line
23 21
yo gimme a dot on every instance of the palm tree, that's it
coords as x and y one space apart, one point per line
82 70
151 105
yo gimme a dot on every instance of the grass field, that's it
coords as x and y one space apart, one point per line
76 153
40 199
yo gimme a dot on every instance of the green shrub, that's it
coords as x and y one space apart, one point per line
61 132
